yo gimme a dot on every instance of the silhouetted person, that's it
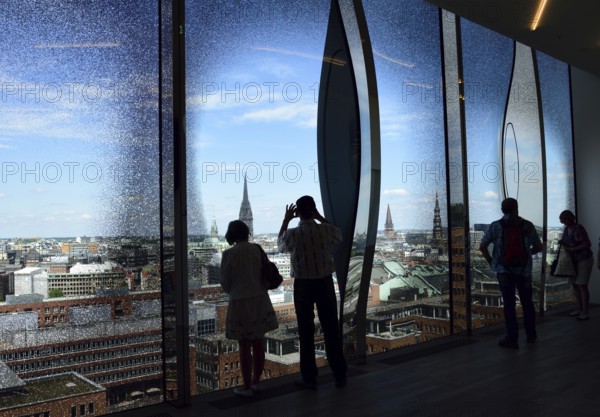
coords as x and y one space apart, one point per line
515 240
577 244
311 267
250 313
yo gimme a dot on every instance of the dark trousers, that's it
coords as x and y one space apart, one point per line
307 294
508 284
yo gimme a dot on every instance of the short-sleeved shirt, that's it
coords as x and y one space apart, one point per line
310 247
494 236
576 237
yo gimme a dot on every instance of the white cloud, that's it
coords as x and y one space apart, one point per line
398 192
2 195
86 216
213 101
490 195
77 45
302 114
395 126
393 60
61 124
559 176
279 70
39 190
289 52
479 203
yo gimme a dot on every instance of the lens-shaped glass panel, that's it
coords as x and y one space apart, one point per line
487 65
409 281
555 92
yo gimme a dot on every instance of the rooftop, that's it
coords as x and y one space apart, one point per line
49 388
8 379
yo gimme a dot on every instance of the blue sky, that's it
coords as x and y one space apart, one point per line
78 126
76 90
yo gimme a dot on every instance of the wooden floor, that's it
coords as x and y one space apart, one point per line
459 376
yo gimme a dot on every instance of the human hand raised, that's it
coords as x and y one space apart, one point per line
318 216
290 212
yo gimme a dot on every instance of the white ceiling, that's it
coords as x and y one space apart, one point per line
568 30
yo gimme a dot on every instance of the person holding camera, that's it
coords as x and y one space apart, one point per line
312 266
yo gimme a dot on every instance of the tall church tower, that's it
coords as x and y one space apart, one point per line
246 210
214 232
437 224
389 226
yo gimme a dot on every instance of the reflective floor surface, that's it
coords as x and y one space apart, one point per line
458 376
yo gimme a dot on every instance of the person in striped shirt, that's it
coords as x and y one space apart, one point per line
312 266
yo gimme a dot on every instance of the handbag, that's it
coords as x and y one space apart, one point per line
563 265
269 272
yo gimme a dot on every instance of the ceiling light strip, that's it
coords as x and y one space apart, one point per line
538 14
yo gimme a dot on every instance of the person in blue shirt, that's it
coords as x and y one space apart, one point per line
513 275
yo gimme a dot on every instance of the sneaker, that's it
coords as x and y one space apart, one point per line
574 313
583 317
255 387
302 383
243 392
507 343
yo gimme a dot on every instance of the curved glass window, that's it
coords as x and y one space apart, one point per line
458 227
521 151
79 197
253 72
555 94
408 300
487 66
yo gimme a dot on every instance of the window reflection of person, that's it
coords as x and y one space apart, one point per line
577 244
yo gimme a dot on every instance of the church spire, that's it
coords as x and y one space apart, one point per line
389 226
246 210
437 223
214 231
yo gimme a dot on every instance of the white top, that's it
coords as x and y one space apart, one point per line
241 271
